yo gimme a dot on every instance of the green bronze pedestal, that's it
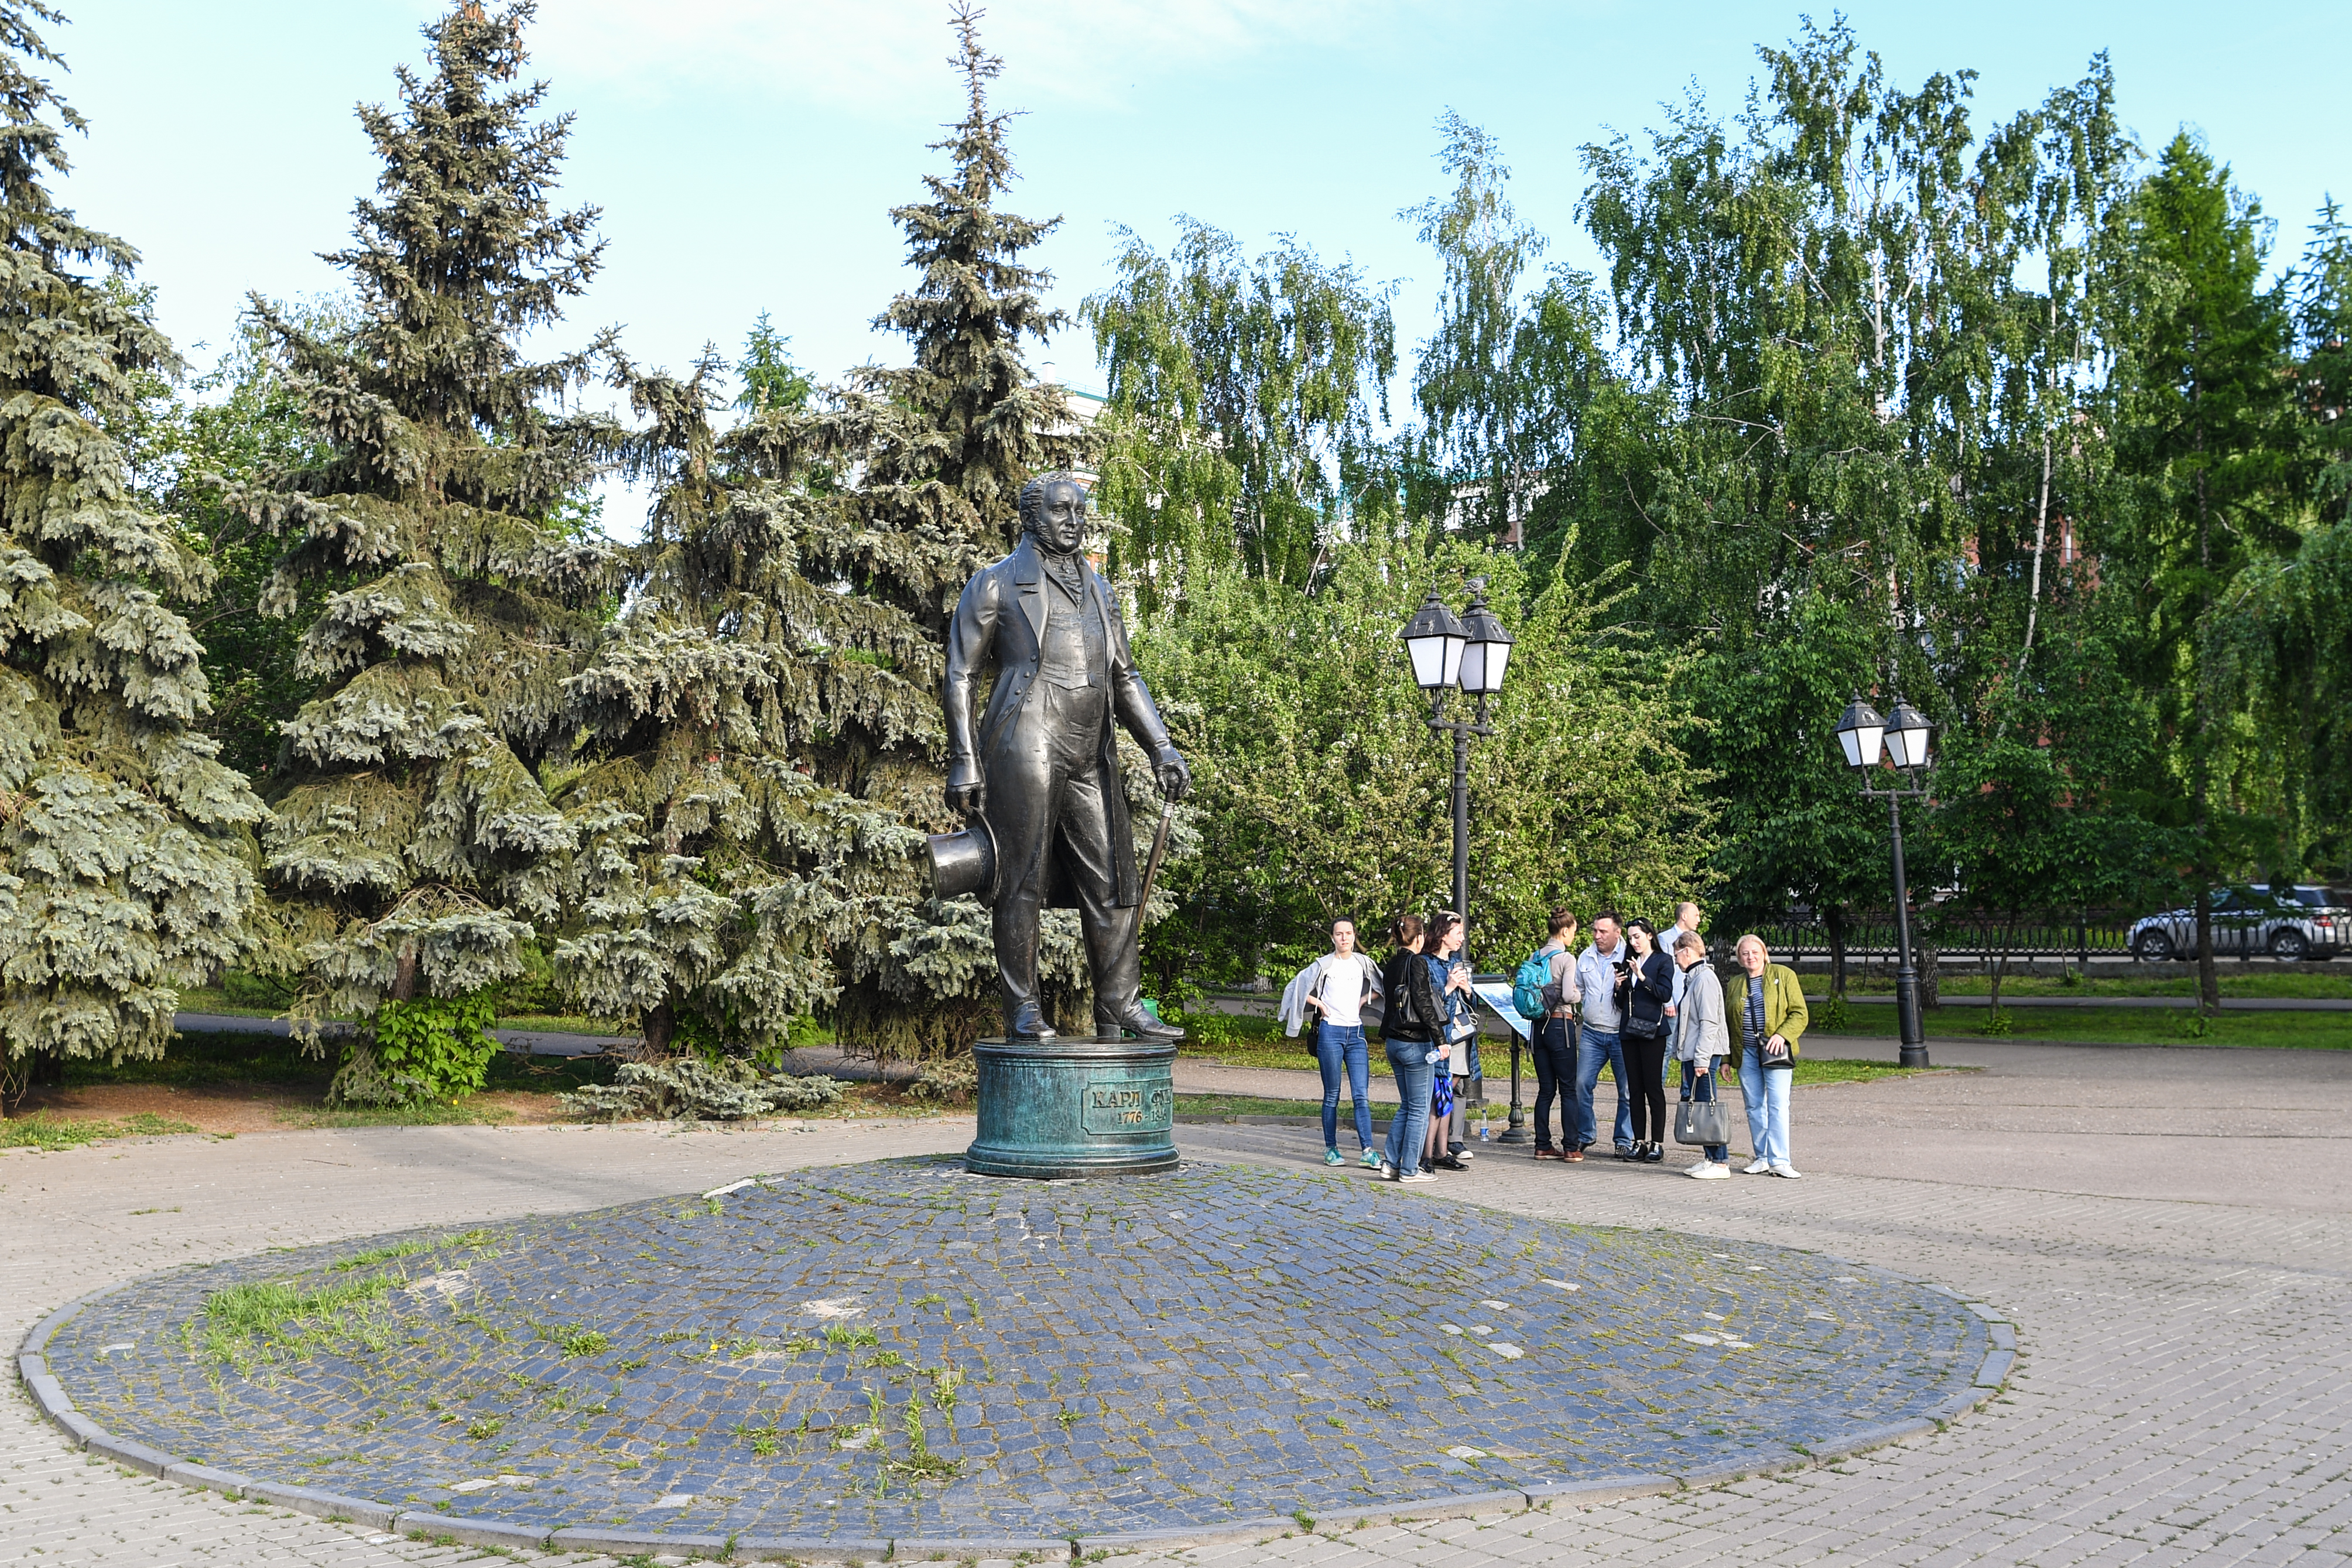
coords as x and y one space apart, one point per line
1078 1107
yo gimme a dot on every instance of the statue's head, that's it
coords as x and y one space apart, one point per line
1053 508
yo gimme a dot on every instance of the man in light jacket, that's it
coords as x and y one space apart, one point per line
1599 1043
1703 1041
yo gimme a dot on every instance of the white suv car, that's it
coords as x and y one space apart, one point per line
2304 921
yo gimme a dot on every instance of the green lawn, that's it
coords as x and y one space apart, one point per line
43 1131
2118 1027
2278 985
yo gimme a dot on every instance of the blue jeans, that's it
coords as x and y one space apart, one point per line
1340 1047
1767 1093
1416 1076
1704 1093
1555 1055
1597 1048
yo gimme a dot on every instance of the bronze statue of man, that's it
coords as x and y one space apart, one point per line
1043 765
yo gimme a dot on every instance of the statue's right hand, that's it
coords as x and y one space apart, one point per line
965 791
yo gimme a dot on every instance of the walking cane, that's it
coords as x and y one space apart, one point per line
1159 852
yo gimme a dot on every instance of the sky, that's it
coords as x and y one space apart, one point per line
746 152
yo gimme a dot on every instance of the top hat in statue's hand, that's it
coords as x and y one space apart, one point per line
964 865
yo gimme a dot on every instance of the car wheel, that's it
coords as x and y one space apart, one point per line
2290 946
2152 947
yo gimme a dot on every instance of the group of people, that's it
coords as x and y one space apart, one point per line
1632 1000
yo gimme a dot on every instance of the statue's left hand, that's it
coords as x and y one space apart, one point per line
1175 778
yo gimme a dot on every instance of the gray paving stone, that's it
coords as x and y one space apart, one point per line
2190 1319
1598 1490
467 1531
47 1393
79 1427
1995 1370
1741 1469
1310 1346
1240 1532
228 1483
141 1456
1464 1505
321 1504
918 1550
1869 1437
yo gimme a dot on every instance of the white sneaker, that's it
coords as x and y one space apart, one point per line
1760 1168
1707 1171
1416 1176
1388 1172
1788 1171
1465 1155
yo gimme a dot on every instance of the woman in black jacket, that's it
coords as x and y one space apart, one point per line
1650 987
1410 1013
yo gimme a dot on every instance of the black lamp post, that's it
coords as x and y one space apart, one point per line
1902 736
1473 653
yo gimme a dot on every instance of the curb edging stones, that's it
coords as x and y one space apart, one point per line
33 1371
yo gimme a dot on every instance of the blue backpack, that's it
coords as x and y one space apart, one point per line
1527 985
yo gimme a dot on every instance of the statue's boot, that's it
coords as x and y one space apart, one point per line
1137 1020
1118 967
1027 1022
1015 932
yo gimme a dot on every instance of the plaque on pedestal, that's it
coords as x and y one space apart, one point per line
1074 1107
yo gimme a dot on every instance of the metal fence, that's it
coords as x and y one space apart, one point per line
1870 938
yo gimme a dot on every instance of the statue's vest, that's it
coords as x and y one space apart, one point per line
1075 651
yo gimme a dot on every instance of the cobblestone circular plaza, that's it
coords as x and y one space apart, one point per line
899 1352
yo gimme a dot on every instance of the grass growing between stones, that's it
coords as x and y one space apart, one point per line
249 1323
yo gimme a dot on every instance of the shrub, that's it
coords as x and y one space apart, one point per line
946 1080
433 1049
687 1088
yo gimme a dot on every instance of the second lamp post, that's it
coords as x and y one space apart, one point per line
1902 737
1471 652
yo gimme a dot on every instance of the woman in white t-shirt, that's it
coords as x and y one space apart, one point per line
1345 979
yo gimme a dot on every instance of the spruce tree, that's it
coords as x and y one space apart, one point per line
722 863
124 840
414 844
940 449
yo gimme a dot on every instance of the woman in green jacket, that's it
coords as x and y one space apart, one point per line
1768 1019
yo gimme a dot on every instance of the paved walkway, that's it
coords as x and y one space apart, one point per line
2168 1226
2229 1004
539 1042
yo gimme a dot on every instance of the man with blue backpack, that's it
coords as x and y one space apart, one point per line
1544 993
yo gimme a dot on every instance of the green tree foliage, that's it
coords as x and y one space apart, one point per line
1247 401
1322 794
1481 450
414 844
124 842
931 455
192 446
2049 810
2201 402
2288 617
1792 828
724 865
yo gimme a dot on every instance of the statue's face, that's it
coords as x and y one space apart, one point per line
1061 520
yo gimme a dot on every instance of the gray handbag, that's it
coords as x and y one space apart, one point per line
1702 1121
